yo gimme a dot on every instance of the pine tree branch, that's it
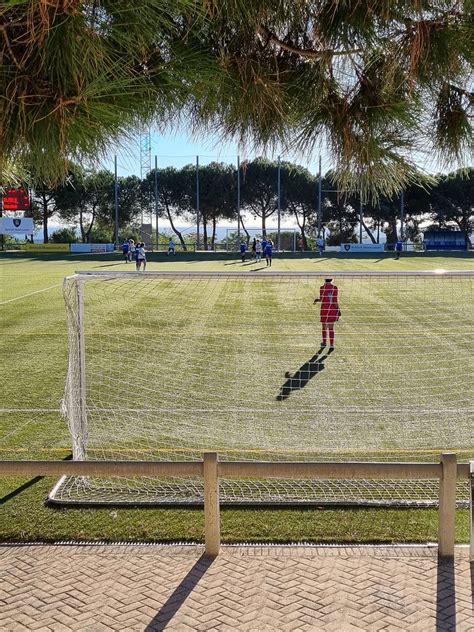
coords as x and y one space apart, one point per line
308 53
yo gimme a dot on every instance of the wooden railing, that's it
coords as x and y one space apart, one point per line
211 469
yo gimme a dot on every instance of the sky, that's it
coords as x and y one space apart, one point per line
178 149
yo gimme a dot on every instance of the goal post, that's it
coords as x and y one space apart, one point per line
73 405
168 365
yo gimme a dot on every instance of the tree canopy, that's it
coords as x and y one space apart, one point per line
78 74
370 80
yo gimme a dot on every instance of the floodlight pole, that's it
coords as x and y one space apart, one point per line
238 198
156 204
116 204
279 203
320 195
402 205
197 203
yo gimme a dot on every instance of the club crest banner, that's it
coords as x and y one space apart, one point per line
362 247
16 226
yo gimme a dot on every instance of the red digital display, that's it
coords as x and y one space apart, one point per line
15 200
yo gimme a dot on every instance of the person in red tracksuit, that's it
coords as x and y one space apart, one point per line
330 312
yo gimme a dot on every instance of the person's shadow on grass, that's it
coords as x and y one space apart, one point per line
303 375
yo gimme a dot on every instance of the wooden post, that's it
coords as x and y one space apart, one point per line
211 505
447 505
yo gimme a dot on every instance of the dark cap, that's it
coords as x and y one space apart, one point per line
327 280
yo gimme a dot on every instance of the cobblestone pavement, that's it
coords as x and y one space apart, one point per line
131 587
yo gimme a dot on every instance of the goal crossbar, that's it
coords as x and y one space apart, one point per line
275 275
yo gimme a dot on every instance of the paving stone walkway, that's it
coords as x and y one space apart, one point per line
131 587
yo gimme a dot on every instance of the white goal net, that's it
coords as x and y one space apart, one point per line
165 366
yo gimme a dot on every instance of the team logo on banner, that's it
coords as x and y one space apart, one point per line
347 247
16 226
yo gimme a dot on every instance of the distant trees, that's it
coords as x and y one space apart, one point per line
217 196
64 236
453 201
43 206
86 200
299 193
259 189
173 200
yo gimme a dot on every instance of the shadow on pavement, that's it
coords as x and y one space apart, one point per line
446 595
472 584
180 594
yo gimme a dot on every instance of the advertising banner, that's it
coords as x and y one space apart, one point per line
80 247
46 247
98 247
362 247
92 247
16 226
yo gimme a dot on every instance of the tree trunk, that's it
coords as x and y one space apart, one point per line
391 231
81 227
170 219
213 238
91 224
463 226
301 226
368 231
244 229
264 225
204 231
304 243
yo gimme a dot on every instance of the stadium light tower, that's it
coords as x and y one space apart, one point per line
145 155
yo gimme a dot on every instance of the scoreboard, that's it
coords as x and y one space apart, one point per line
15 200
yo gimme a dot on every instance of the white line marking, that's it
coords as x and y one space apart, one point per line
29 410
18 298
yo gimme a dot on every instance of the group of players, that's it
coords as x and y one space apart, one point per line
134 252
265 247
328 292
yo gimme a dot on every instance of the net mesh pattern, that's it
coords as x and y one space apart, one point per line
165 367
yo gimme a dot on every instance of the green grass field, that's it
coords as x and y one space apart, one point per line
364 375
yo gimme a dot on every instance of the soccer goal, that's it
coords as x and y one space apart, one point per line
289 238
165 366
